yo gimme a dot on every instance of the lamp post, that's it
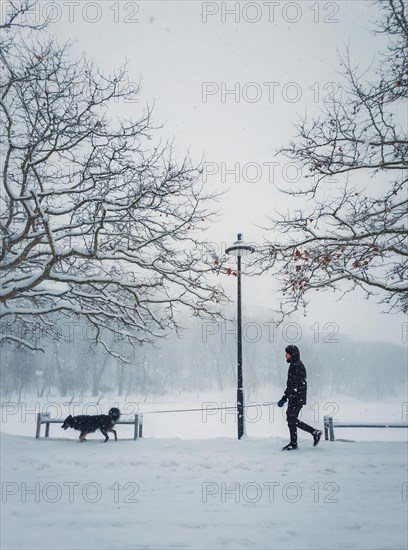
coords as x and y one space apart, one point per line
239 248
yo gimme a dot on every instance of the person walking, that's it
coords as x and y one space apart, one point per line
295 394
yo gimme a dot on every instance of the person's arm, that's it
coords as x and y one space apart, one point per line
285 395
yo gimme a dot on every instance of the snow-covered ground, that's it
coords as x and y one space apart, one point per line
190 484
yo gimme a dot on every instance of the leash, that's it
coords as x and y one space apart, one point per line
208 409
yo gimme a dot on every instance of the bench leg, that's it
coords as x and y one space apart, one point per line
326 428
38 428
331 428
136 428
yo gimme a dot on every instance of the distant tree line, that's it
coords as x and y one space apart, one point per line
204 359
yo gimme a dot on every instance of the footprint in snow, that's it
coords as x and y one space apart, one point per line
168 463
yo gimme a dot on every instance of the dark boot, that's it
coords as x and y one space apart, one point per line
317 434
289 447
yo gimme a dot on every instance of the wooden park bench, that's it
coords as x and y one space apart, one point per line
45 418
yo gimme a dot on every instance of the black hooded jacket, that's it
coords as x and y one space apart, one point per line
296 386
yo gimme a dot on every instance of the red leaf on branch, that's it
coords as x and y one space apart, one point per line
326 260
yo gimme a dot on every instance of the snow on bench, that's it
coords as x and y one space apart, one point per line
329 426
45 418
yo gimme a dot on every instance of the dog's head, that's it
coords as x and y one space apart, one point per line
67 423
114 414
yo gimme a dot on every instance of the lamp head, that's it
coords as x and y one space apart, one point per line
240 248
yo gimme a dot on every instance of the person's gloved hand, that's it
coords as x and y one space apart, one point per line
281 402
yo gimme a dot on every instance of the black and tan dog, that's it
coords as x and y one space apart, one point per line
87 424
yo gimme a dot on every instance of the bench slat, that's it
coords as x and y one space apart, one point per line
369 425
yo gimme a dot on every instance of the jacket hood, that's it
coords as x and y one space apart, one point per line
294 352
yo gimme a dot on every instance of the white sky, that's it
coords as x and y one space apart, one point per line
281 65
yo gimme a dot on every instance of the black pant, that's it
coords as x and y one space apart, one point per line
292 414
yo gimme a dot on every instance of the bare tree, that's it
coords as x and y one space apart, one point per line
14 16
355 236
98 219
